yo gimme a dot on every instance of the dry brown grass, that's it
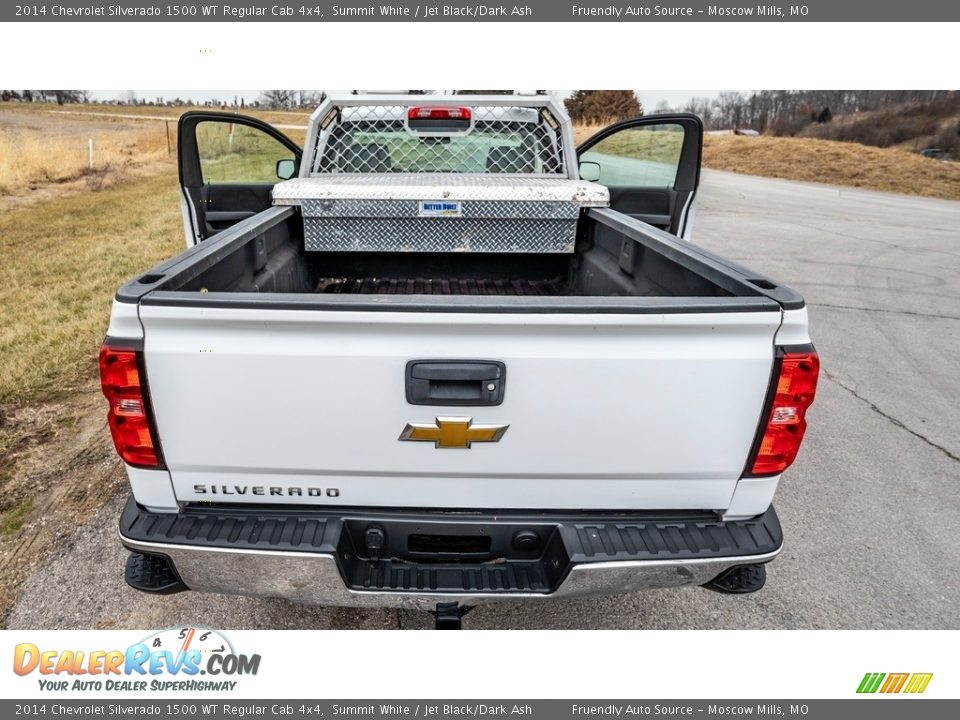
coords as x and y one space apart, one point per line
29 158
582 132
121 112
833 162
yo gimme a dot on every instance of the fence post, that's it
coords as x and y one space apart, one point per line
90 152
169 149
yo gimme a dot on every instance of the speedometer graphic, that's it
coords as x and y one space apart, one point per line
183 639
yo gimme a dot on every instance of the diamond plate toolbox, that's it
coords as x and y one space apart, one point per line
426 213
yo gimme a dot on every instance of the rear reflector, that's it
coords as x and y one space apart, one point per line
781 434
129 413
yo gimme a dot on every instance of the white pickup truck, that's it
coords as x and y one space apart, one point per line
441 356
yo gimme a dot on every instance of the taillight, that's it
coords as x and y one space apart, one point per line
785 423
129 413
438 113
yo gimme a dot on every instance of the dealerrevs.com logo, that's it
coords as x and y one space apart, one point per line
180 659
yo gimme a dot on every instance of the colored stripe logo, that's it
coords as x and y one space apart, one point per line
913 683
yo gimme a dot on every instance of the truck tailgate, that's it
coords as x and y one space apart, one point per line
605 411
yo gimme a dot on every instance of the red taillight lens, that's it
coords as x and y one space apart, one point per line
438 113
128 415
786 422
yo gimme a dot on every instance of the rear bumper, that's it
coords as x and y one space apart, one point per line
324 557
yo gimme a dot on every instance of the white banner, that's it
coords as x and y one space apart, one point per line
200 663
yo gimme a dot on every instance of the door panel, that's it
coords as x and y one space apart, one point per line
228 167
651 165
227 204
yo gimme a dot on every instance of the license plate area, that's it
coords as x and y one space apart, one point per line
387 555
427 541
448 545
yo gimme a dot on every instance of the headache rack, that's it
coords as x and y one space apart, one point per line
450 173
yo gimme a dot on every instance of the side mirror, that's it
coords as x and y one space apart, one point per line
286 169
590 171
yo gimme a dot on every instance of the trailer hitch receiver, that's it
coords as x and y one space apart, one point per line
449 616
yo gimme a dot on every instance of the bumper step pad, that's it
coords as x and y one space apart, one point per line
739 580
153 574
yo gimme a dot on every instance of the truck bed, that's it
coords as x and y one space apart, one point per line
616 257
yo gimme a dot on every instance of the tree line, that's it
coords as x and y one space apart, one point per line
60 97
787 112
601 107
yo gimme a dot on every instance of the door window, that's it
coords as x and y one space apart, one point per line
235 153
643 156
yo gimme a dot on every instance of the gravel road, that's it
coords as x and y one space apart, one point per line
869 510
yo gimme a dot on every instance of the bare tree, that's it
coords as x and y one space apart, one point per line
278 99
67 96
310 98
596 107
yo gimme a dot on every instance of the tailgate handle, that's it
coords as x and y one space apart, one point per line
455 382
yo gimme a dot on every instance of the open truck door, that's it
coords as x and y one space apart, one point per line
228 166
651 166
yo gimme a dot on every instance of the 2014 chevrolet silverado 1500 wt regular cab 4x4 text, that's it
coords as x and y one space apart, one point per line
442 356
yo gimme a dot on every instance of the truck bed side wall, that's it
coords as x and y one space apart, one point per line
612 259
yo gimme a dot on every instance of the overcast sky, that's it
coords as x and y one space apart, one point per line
649 98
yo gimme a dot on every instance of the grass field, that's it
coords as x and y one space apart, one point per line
838 163
63 261
122 113
31 158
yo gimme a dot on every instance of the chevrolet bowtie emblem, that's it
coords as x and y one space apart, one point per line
453 432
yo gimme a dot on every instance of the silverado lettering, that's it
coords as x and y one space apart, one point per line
263 490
